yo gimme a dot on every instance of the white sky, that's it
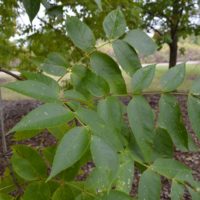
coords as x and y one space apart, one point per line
24 20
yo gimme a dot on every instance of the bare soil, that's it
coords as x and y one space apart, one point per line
15 110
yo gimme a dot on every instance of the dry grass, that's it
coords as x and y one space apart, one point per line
191 52
8 94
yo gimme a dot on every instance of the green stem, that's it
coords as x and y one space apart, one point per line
76 117
6 187
184 93
86 56
151 93
90 105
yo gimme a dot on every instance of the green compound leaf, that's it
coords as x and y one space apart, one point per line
126 56
37 191
173 78
149 186
195 89
71 173
142 78
195 195
104 66
106 161
35 89
96 85
74 95
70 149
78 72
125 173
28 164
104 156
77 78
22 135
100 128
99 180
177 191
114 24
140 41
194 113
5 197
55 64
162 144
99 4
54 10
170 119
116 195
141 119
34 76
59 131
193 106
63 192
111 111
87 82
32 8
80 34
46 116
170 168
6 183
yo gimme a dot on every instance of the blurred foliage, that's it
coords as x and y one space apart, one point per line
166 19
7 29
11 54
52 37
93 16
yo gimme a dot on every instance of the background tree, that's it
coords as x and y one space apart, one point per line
94 12
53 28
7 29
170 20
12 54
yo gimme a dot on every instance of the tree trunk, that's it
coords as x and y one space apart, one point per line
173 48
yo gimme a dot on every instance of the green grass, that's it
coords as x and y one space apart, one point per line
192 73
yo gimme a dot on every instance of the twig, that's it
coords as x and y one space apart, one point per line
3 137
156 30
4 145
11 74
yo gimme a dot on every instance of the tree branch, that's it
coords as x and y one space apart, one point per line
3 137
168 19
11 74
156 30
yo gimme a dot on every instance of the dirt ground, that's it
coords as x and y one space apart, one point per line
15 110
